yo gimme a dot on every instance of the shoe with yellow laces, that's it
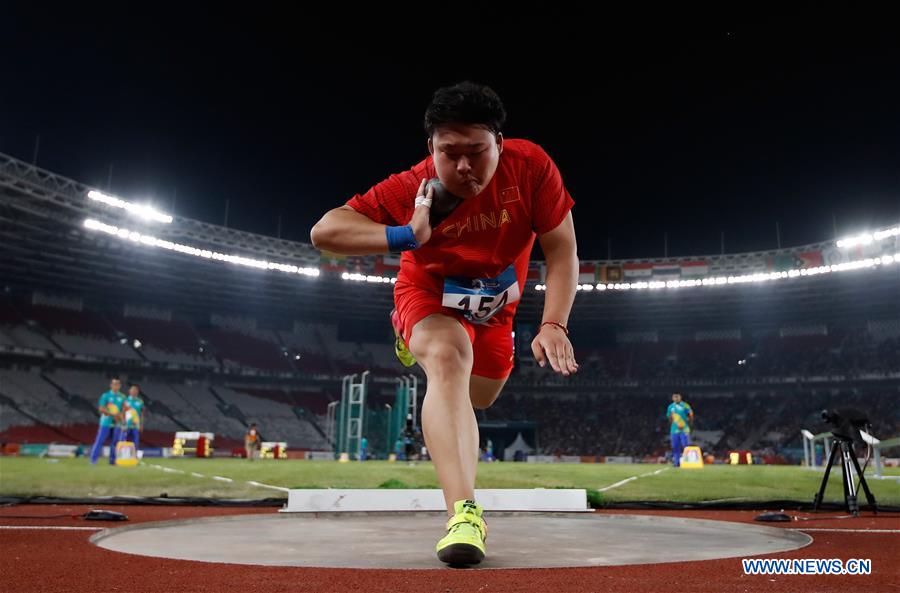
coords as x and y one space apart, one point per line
466 534
400 349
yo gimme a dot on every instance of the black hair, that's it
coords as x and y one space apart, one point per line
138 385
465 103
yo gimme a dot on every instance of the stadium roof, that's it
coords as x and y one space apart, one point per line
132 253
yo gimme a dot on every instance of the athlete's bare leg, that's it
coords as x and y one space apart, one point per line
441 346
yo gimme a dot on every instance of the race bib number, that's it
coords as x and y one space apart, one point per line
480 299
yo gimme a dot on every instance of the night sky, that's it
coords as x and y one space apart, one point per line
727 128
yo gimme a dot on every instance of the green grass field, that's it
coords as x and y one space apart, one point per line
24 476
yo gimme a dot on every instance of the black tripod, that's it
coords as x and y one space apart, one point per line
848 461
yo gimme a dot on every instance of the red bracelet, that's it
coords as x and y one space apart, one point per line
559 325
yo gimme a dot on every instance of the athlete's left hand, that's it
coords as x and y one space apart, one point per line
553 344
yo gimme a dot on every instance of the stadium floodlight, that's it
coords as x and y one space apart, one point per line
758 278
144 211
149 240
868 238
373 278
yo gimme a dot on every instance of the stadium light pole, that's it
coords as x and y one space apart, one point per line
778 234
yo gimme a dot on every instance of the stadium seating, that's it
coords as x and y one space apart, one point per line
164 342
95 346
237 349
315 402
68 321
171 407
623 424
173 336
276 421
305 337
316 349
11 417
21 336
40 399
628 376
178 358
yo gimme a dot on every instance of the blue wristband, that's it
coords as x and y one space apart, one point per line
400 238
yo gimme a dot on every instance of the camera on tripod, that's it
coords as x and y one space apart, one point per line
847 424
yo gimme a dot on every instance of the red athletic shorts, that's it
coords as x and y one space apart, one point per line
492 343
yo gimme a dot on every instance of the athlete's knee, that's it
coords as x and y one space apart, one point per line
442 359
442 347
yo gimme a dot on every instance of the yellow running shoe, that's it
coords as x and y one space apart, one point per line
400 349
466 534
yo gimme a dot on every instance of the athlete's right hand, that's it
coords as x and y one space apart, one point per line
419 222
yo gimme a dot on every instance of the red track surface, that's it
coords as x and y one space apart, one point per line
53 561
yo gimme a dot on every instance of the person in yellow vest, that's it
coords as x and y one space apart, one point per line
134 416
681 416
252 442
109 408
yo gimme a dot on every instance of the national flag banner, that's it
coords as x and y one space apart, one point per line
663 271
637 270
835 255
693 269
332 262
795 261
587 273
780 263
811 259
387 264
608 273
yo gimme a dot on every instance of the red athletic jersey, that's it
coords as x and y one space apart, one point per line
484 234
